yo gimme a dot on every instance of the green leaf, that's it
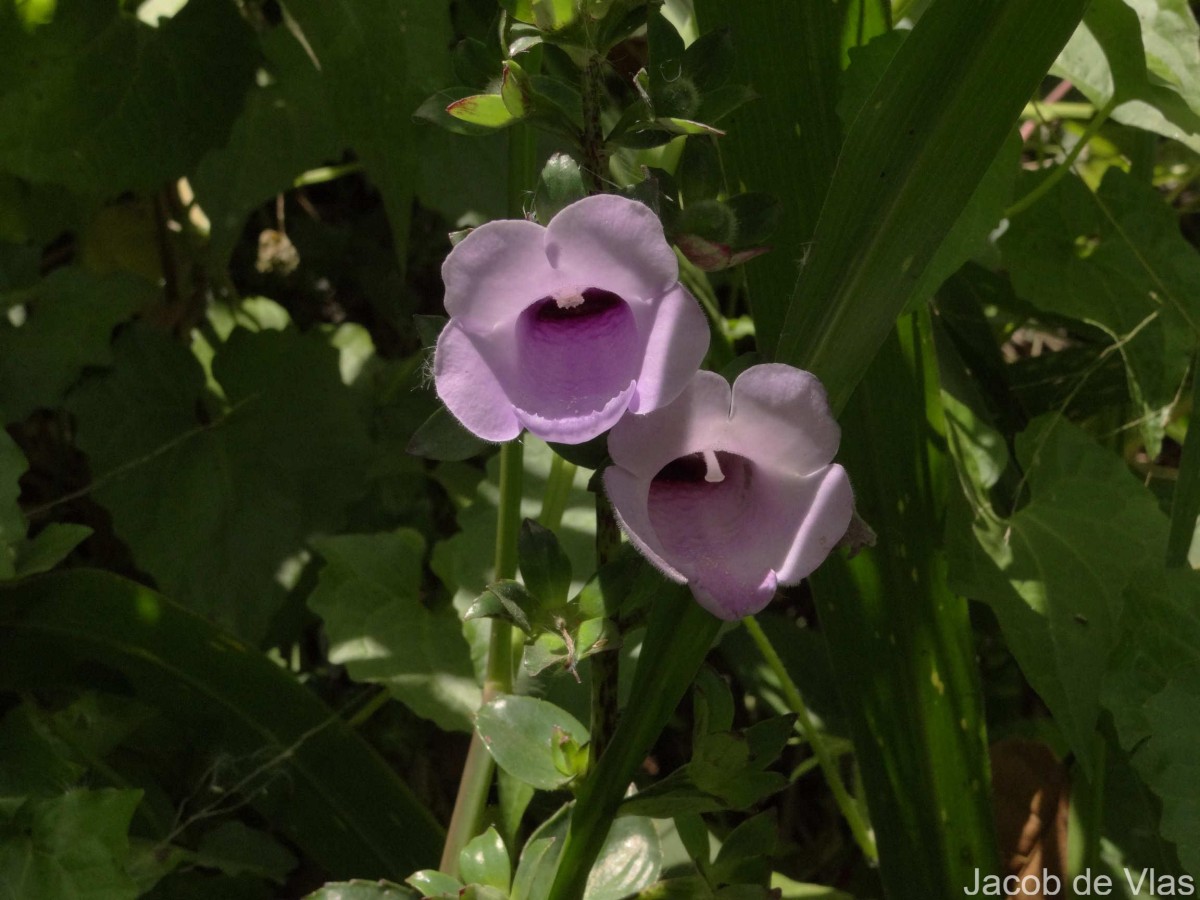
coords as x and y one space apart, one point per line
32 761
442 437
560 184
1153 692
507 600
1114 259
519 731
285 129
545 567
744 855
787 141
794 890
100 102
235 848
362 890
483 110
902 654
50 547
71 847
629 860
485 861
291 449
71 317
1143 54
12 521
378 61
369 597
924 149
344 807
1057 571
430 882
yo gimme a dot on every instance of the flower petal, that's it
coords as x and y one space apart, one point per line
729 605
674 340
721 534
469 388
611 242
697 419
823 503
577 429
496 271
781 417
628 497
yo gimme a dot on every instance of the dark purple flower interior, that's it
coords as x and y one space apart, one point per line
709 513
576 353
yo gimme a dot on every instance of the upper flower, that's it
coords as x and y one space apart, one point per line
562 329
733 492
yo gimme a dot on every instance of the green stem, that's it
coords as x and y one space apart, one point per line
678 637
557 493
1058 172
476 782
816 739
1060 110
604 664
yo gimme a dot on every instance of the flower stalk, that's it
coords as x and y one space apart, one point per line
476 781
826 759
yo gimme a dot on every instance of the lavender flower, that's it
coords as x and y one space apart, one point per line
733 492
562 329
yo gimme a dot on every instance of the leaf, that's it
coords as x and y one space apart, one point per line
51 546
71 317
291 450
744 855
485 861
1142 54
628 861
1057 572
235 848
560 184
32 762
379 59
1116 260
100 102
362 890
442 437
483 110
1153 693
788 140
71 847
430 882
369 597
507 600
545 567
924 150
519 733
12 521
343 806
285 129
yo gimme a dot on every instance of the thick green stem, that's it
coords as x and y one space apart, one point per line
677 640
595 165
476 782
557 493
826 759
604 664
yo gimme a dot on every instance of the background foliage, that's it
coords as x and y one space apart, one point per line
241 639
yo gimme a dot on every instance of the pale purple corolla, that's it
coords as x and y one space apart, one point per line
733 491
562 329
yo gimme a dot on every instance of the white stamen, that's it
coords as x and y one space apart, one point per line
568 298
712 467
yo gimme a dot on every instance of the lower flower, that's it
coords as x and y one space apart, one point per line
733 491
